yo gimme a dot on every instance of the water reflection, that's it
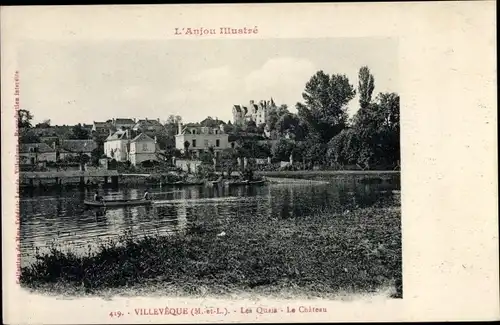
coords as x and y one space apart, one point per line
61 218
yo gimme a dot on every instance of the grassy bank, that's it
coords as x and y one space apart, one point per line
321 254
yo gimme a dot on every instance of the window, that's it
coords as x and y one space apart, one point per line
217 143
206 143
144 147
194 143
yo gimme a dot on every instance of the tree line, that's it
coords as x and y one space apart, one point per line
321 133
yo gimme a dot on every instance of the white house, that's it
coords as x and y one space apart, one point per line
142 148
201 138
117 145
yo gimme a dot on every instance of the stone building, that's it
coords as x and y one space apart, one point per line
257 112
201 138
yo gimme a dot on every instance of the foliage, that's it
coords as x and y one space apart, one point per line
24 118
206 172
282 149
314 150
325 109
373 139
207 158
228 161
27 135
365 87
250 127
79 133
44 124
186 148
174 119
344 149
228 128
274 115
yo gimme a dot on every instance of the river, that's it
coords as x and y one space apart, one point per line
60 217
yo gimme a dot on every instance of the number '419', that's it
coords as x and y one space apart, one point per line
115 314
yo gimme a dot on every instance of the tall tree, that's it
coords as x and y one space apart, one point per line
274 115
174 119
325 109
24 118
376 132
365 87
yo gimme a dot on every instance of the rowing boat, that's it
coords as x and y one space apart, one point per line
116 203
180 183
260 182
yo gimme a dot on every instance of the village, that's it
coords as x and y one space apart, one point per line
145 146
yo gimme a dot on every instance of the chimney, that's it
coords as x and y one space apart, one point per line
179 128
135 120
158 119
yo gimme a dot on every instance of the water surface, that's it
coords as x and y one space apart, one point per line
60 217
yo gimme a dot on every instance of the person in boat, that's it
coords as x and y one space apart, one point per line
147 196
97 197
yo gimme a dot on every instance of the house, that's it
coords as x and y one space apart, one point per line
32 153
101 128
123 123
254 112
117 146
142 148
200 138
75 148
149 127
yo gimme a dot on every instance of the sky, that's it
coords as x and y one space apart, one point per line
85 81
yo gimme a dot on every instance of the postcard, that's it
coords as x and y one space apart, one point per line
249 163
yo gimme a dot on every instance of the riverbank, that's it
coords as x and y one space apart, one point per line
318 256
156 180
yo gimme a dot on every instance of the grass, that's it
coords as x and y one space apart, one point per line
318 255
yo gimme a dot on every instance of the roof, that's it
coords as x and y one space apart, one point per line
78 145
124 121
118 135
150 122
186 129
101 124
142 137
209 120
42 147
